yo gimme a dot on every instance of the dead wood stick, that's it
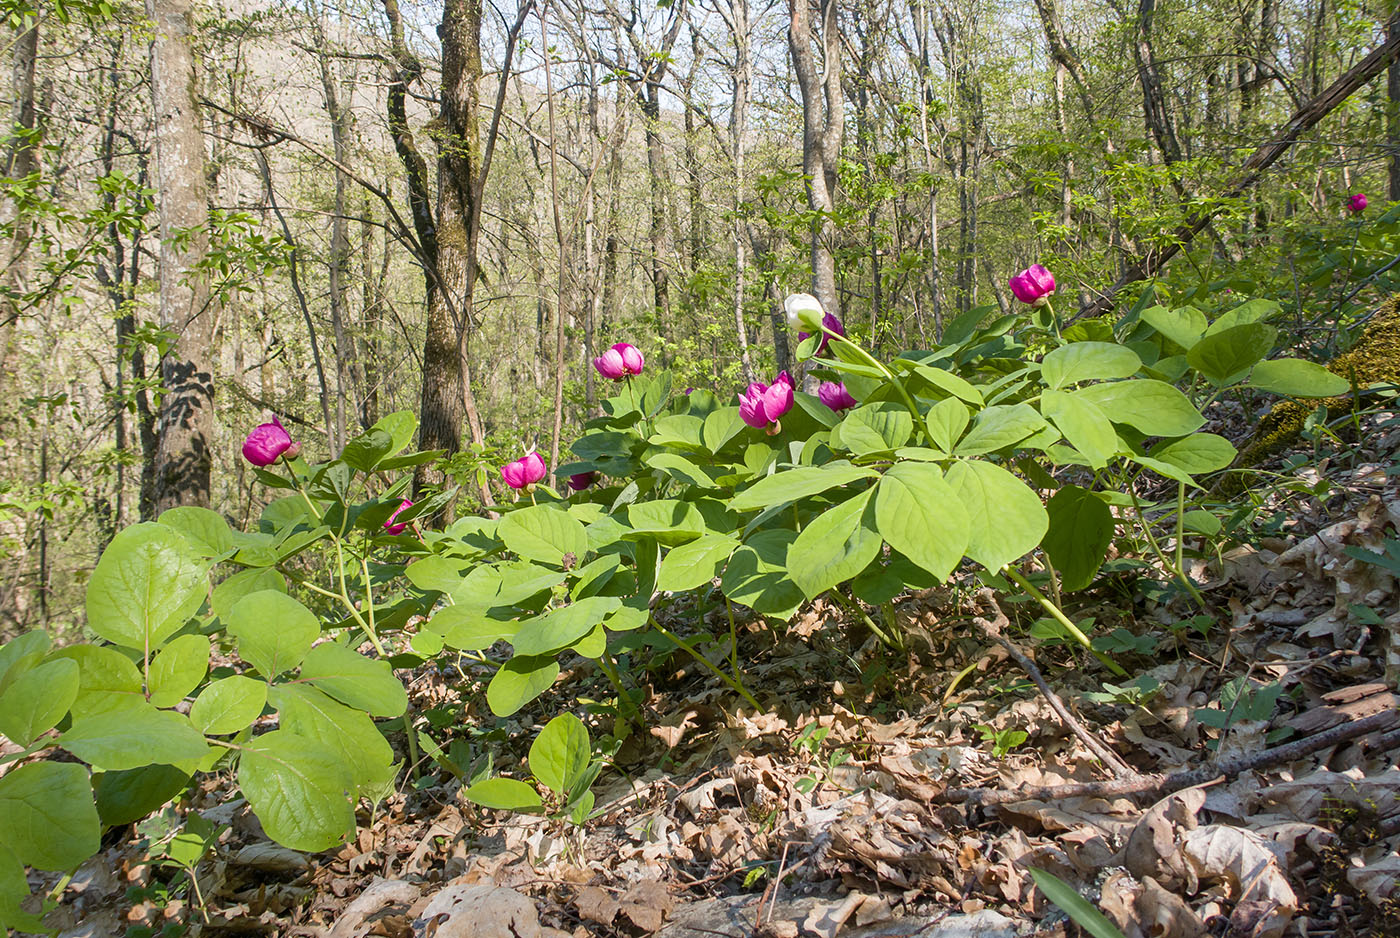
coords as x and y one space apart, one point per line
993 631
1261 159
1166 784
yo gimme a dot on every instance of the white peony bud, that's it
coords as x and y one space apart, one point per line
804 312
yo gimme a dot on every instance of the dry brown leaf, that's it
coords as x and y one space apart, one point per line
1244 862
595 905
1154 847
1164 914
1379 880
647 905
826 918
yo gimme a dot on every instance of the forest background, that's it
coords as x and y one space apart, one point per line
451 208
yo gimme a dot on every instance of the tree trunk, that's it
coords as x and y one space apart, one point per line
1393 116
185 441
20 162
822 113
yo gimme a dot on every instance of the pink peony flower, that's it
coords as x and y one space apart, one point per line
267 443
834 395
619 361
1033 284
831 323
524 472
582 480
763 404
399 528
1357 203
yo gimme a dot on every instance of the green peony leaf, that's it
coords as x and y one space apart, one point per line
206 532
1147 405
228 705
834 547
177 670
47 816
543 533
107 679
1224 357
274 631
519 681
793 484
560 628
1005 518
695 564
756 575
35 701
145 587
355 680
504 794
561 753
920 516
998 427
1086 427
299 789
1081 528
345 731
1297 378
1197 453
1088 361
134 736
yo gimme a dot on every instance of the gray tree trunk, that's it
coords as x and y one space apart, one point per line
185 437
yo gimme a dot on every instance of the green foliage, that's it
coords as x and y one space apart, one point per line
1003 443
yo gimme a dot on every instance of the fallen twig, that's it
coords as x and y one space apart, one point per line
993 631
1162 784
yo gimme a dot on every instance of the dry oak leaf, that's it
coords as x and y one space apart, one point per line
1249 868
482 911
647 905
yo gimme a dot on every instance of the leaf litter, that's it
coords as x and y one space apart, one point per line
872 797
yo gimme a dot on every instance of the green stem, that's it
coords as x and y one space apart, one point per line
624 702
850 605
1063 619
736 685
1161 556
733 638
879 366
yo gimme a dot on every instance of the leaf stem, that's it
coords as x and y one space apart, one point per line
736 685
879 366
1063 619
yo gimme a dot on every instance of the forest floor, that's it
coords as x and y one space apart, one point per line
869 800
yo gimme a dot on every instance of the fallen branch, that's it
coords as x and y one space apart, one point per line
1166 784
993 631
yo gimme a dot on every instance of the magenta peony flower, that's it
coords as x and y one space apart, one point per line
831 323
267 443
582 480
393 528
1033 285
834 395
1357 203
524 472
763 404
619 361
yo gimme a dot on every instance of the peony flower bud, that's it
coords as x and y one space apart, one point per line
266 443
620 361
582 480
631 357
804 311
393 528
834 395
524 472
761 405
1033 285
1357 203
